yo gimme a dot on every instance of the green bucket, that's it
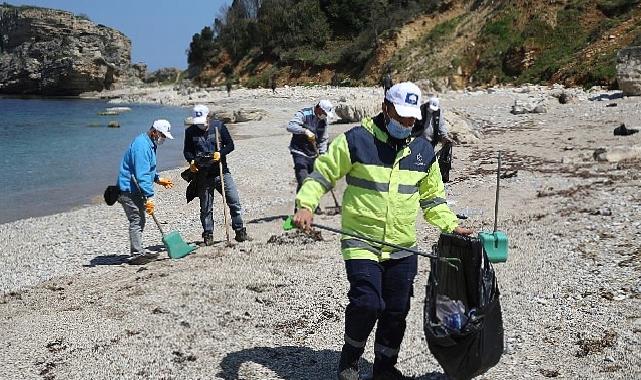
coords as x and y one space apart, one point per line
495 245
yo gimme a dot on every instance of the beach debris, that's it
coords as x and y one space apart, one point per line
592 346
622 130
180 357
617 153
611 105
603 211
566 98
509 174
56 346
296 237
113 124
549 372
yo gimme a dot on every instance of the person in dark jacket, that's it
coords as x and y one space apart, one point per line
309 138
433 123
204 161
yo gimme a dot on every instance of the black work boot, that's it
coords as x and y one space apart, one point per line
348 364
348 370
209 239
241 235
388 373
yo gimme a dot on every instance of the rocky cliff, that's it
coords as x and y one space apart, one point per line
51 52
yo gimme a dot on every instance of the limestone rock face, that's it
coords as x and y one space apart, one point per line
164 75
51 52
354 110
629 70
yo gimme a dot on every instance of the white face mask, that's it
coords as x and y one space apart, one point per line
160 140
322 116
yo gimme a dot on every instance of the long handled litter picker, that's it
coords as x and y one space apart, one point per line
495 243
222 185
176 247
288 224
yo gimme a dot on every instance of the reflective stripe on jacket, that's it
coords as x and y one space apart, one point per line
386 188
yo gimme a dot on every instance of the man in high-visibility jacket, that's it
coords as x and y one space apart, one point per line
390 175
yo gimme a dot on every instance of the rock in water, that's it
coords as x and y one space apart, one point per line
629 70
51 52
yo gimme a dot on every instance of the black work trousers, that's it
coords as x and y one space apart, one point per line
378 292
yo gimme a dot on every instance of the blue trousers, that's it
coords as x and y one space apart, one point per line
378 292
206 196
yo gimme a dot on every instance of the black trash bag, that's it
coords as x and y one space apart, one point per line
445 162
478 344
111 195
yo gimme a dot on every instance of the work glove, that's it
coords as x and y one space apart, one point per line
192 167
216 156
165 182
149 206
311 137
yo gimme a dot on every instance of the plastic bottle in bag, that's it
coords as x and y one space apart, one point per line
451 313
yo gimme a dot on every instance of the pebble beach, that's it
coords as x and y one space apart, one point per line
272 308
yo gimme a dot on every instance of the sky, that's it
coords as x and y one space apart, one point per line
160 30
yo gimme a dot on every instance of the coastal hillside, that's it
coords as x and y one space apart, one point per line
52 52
451 43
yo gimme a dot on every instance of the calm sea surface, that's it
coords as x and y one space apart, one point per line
58 154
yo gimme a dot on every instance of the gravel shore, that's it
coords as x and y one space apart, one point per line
273 308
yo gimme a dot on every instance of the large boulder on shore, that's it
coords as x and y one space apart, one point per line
629 70
51 52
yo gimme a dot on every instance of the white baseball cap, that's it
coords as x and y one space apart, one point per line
434 103
163 126
327 106
406 98
199 114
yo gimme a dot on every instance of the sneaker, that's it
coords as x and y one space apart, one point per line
348 371
241 235
389 373
142 258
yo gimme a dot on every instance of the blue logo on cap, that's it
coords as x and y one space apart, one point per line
411 98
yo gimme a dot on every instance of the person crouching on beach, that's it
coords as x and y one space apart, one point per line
135 180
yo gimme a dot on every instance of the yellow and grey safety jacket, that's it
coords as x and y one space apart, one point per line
387 182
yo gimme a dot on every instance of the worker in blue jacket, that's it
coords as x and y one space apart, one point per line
204 161
310 138
136 196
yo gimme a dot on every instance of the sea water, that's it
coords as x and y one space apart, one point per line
58 154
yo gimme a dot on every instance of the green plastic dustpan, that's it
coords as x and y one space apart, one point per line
177 248
495 243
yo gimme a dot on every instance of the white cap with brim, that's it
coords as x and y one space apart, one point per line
163 126
199 114
406 98
328 107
